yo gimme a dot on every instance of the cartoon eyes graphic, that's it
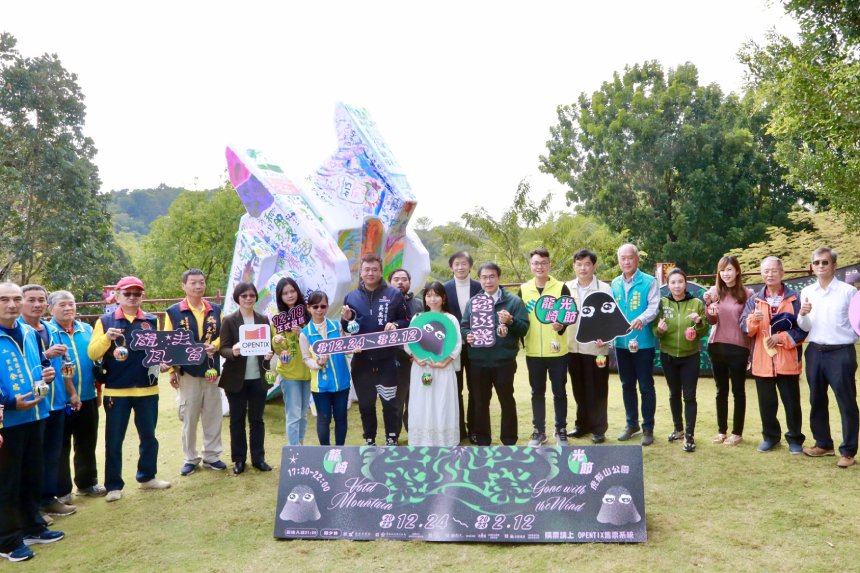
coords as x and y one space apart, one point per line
428 328
624 498
439 334
609 499
293 497
608 307
310 497
587 311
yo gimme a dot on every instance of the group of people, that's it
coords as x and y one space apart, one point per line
56 374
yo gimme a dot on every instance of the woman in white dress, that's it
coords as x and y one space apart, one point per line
434 414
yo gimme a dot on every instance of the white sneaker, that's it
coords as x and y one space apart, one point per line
113 495
155 483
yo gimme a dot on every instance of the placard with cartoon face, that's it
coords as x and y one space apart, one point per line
438 338
601 319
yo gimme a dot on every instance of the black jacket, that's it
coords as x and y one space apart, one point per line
233 376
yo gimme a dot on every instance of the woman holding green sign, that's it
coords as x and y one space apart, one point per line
434 413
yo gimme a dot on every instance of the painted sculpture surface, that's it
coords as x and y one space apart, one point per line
316 231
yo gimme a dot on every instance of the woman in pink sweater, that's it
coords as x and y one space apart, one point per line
728 347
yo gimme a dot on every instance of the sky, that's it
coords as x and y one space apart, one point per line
464 93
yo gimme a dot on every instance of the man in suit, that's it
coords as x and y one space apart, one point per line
459 290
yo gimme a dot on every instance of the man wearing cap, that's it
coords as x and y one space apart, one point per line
199 399
21 430
129 386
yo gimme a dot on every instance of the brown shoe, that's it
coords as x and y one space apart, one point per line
816 452
719 439
846 462
733 440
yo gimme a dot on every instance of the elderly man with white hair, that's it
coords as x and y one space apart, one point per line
770 319
84 396
638 297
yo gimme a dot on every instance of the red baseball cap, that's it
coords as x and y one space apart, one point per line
128 282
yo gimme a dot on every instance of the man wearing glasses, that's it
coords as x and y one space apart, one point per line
770 319
546 351
129 386
495 366
830 357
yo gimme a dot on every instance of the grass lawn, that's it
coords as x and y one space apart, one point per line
718 509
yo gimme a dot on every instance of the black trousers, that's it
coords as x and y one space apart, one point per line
83 427
835 369
20 484
52 446
469 403
682 376
248 402
372 378
788 386
729 363
590 392
556 368
404 375
500 377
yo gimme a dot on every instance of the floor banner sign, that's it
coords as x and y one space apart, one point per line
504 494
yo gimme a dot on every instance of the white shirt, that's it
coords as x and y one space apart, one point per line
463 296
827 322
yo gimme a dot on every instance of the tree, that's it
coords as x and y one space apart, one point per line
198 231
795 246
812 86
683 170
565 233
54 226
500 240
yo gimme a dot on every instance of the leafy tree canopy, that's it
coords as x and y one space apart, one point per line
795 246
683 170
812 86
199 230
54 226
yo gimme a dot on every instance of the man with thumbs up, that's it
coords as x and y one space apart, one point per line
830 357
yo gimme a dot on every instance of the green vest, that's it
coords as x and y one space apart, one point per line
540 336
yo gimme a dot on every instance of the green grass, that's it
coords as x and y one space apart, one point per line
718 509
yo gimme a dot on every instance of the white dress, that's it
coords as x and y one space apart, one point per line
434 411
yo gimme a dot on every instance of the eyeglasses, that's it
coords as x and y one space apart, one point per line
319 306
247 295
821 263
132 294
540 263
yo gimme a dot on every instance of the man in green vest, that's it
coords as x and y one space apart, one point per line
546 350
638 297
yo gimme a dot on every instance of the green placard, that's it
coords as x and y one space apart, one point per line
438 336
549 309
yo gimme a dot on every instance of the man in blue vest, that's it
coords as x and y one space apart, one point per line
198 398
82 423
638 297
35 304
21 376
129 386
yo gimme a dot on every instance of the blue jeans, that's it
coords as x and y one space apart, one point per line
633 367
117 414
297 396
331 404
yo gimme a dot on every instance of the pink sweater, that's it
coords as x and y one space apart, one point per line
726 325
